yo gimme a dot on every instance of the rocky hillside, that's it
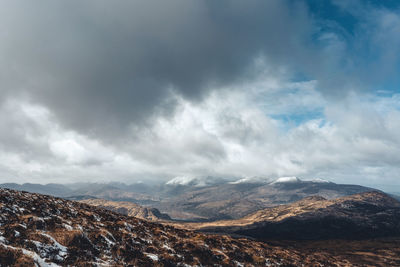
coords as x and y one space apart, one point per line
365 215
46 231
39 230
128 208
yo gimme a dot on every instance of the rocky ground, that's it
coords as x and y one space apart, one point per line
48 231
39 230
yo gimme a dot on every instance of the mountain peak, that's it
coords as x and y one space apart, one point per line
195 181
252 180
288 179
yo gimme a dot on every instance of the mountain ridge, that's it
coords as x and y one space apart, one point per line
216 201
129 209
365 215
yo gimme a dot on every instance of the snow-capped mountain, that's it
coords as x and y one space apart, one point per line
253 180
289 179
318 180
267 180
195 181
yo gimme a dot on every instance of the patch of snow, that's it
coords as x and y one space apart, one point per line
148 241
36 258
318 180
152 256
110 235
252 180
290 179
62 249
195 181
128 226
100 262
167 247
109 242
97 218
17 234
135 242
68 227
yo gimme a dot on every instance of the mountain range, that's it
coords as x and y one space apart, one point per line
201 198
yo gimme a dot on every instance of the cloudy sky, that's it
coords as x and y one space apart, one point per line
144 90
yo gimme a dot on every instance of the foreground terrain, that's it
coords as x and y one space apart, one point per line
43 230
46 231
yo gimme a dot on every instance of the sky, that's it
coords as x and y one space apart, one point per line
149 90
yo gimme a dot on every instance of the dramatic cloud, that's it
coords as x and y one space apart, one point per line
133 90
101 66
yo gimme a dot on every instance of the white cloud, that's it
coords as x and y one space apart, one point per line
230 134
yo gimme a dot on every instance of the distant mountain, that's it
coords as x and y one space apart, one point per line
292 179
255 180
235 200
47 189
128 208
38 230
196 181
360 216
201 198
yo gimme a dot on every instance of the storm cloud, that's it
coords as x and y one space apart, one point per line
155 89
101 66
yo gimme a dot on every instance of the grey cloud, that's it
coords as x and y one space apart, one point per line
102 65
109 70
21 134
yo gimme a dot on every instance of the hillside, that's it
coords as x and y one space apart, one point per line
128 208
48 231
365 215
39 230
236 200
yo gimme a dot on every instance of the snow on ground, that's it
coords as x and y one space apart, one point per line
68 227
61 248
318 180
195 181
152 256
252 180
36 258
109 242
